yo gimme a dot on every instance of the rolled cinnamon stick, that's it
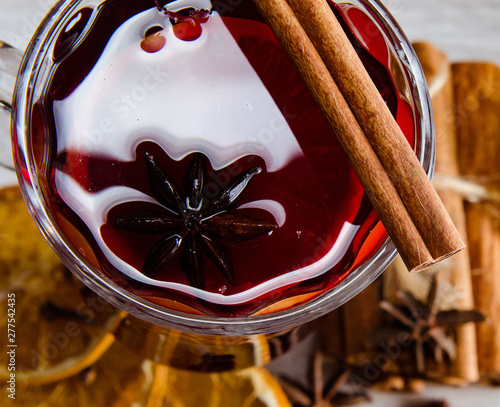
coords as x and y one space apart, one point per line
477 106
457 270
387 167
363 159
484 238
331 332
376 120
362 316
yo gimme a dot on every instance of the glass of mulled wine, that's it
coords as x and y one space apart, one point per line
175 161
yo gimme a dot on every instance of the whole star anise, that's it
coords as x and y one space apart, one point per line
425 323
194 221
322 392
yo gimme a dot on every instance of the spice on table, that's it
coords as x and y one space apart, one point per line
477 101
324 392
425 324
467 124
438 72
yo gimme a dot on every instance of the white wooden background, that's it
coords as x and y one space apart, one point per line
465 29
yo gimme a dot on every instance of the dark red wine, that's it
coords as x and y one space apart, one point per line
189 163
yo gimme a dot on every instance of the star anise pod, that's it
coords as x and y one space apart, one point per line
425 324
322 392
193 221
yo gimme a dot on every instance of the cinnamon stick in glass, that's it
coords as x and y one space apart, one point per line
386 165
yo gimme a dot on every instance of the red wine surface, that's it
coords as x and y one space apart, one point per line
323 226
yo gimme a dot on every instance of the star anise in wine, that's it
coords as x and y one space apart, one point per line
194 222
425 324
323 392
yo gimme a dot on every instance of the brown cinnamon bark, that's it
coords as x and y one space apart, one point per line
412 212
361 316
331 332
376 120
457 269
477 96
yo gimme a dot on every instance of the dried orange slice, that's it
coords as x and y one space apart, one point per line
118 379
252 387
57 326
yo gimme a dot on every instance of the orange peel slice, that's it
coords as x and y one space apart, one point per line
252 387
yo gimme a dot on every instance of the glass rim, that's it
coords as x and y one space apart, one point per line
275 322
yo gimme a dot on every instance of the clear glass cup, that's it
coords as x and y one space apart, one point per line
153 325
